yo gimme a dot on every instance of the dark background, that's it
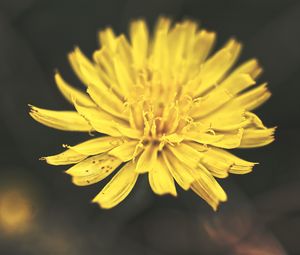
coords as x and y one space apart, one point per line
262 215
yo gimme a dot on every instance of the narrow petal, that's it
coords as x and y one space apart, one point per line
63 120
230 140
212 71
161 180
67 157
210 103
107 124
107 38
69 92
123 76
254 98
76 68
204 138
126 151
104 60
98 120
159 59
208 188
103 95
118 188
222 94
81 151
237 165
251 67
93 169
203 44
226 120
179 171
147 159
124 53
186 154
217 66
254 121
203 193
107 101
237 83
139 39
257 137
179 39
97 145
220 162
162 24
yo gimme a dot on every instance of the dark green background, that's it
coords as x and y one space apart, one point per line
262 214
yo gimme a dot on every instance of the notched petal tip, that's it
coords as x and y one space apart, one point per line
32 108
101 206
215 207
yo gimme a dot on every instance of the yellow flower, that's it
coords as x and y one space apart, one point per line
166 107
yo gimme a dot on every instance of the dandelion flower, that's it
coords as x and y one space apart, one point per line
165 107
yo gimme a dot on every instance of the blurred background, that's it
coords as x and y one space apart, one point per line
41 212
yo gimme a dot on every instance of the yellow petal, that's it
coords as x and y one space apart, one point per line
179 171
67 157
222 94
139 39
250 67
107 38
204 138
253 98
101 122
63 120
126 151
76 68
118 188
83 67
203 44
237 165
226 120
217 66
210 103
147 159
179 37
93 169
162 24
69 92
123 76
254 121
124 53
107 124
104 60
203 193
93 112
136 116
208 188
257 137
97 89
237 83
159 59
230 140
220 162
97 145
210 183
186 154
107 101
160 179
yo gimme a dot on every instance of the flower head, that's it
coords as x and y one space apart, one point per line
166 107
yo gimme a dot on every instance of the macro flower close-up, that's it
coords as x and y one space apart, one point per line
161 103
